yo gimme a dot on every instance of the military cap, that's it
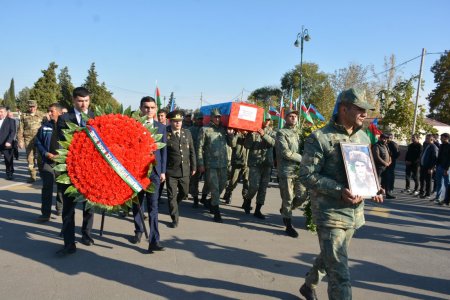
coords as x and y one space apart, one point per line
215 112
188 114
384 135
356 97
32 103
290 111
198 115
175 115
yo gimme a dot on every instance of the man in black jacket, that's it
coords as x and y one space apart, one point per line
382 160
412 162
443 163
390 170
7 134
47 143
181 163
427 164
81 101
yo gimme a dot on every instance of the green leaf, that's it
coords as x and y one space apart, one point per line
121 109
151 188
108 109
62 152
127 111
64 144
72 126
143 119
64 179
98 111
79 198
68 137
160 145
136 115
157 137
60 168
71 190
60 159
150 170
85 117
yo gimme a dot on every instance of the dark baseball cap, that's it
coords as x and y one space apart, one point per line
356 97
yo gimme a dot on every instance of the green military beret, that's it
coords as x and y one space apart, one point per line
215 112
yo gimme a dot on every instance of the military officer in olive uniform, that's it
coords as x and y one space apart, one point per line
195 179
238 166
336 211
260 161
288 162
29 125
213 158
181 163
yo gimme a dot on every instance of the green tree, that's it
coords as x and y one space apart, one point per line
265 97
439 98
399 112
100 96
9 98
46 90
65 87
22 99
355 76
316 87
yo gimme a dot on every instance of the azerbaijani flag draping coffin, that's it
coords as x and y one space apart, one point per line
237 115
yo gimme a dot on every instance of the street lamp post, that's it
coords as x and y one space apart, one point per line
303 35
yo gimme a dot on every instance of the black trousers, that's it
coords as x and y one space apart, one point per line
390 180
9 162
48 181
68 215
177 190
412 172
425 182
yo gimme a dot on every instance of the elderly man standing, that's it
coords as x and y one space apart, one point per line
29 125
212 158
336 211
7 133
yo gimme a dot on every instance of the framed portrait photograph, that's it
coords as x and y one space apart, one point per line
360 168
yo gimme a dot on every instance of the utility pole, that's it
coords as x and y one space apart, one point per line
418 91
201 99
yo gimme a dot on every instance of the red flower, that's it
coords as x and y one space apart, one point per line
132 145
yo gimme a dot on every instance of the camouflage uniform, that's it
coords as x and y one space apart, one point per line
238 167
212 155
322 171
193 185
288 162
28 128
260 162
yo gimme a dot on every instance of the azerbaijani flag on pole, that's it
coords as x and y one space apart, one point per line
158 98
314 113
281 116
305 113
273 111
372 131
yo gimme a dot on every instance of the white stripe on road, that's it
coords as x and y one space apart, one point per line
11 185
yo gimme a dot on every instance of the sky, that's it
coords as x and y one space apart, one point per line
222 50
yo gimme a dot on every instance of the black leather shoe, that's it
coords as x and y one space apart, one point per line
85 240
155 247
9 176
43 218
308 293
70 249
136 239
390 196
174 224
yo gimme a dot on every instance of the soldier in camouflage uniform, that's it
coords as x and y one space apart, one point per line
193 188
288 162
238 166
260 161
336 211
29 125
212 158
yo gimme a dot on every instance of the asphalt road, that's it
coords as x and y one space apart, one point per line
401 253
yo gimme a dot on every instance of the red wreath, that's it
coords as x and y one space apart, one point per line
132 145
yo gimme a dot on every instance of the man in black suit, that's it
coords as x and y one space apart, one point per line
81 101
181 163
148 108
7 134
